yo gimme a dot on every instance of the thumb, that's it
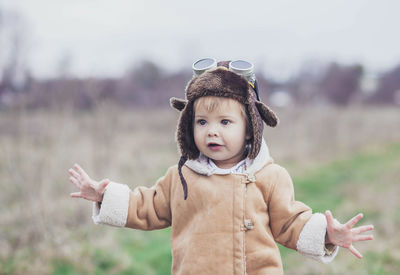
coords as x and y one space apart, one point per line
329 218
103 184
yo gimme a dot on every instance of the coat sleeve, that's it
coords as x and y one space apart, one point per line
144 208
292 222
287 216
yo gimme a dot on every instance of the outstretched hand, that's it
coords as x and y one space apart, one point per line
88 189
345 235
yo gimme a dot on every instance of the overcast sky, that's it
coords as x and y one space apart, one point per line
103 37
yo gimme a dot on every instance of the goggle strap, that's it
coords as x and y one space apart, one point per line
256 90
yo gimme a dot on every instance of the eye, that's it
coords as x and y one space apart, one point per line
225 121
201 121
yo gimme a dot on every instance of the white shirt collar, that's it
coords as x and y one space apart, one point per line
237 169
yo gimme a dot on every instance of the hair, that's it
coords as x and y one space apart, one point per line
211 103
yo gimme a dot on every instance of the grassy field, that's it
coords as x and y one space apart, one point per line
345 160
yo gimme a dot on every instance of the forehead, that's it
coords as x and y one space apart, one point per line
211 104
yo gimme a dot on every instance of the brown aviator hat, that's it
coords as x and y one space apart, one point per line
220 82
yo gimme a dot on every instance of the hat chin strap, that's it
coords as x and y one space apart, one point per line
181 162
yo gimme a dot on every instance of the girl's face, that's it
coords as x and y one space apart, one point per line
220 134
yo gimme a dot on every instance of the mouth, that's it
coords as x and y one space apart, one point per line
214 146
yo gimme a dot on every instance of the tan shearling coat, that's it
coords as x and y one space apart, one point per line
209 233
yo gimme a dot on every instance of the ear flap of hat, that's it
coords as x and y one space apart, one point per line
184 133
267 114
177 103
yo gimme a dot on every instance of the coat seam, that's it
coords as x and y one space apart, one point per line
233 227
244 232
272 189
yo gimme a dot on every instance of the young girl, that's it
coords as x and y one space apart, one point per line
226 201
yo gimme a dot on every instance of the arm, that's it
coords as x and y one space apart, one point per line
287 216
292 222
149 208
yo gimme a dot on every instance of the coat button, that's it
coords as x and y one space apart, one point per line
251 178
248 224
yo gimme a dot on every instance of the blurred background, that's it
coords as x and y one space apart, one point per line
89 82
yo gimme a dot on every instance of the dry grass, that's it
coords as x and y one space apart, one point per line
315 134
39 222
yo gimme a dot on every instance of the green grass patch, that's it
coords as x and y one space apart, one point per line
64 267
8 266
322 187
149 251
381 263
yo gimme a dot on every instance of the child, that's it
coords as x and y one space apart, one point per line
226 201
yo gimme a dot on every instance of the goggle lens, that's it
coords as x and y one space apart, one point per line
241 65
204 64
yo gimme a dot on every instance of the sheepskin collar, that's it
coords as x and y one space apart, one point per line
202 166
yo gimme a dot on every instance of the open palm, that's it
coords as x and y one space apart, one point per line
88 188
345 235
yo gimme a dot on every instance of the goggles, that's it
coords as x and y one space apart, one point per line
240 67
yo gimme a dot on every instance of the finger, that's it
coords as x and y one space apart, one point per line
355 252
75 181
329 218
362 229
360 238
80 170
73 173
76 195
354 220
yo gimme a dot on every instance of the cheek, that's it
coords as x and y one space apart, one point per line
237 136
244 136
197 135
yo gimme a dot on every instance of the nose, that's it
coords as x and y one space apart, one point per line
212 131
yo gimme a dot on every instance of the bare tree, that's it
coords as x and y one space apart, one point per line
341 83
13 69
388 88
